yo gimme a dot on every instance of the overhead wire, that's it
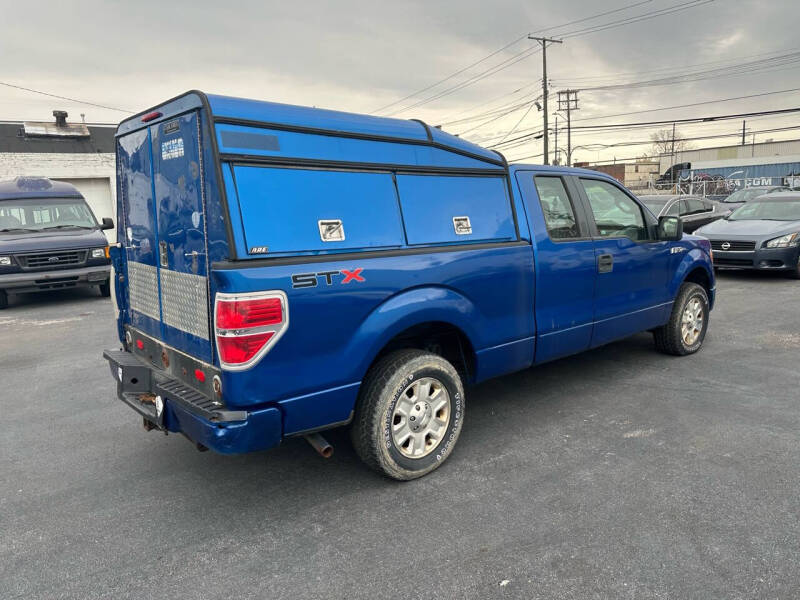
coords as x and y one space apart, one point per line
85 102
535 49
499 50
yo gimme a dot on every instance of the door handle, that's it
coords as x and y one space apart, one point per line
605 263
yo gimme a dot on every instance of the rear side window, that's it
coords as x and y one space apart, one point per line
615 213
695 206
441 209
297 210
559 213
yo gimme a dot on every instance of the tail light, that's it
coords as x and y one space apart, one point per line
247 325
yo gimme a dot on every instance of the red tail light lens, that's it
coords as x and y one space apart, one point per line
240 349
247 326
238 314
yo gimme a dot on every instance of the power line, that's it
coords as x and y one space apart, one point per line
680 69
488 113
504 114
530 51
644 17
514 59
616 77
741 68
674 121
695 138
499 50
19 87
639 112
522 118
634 126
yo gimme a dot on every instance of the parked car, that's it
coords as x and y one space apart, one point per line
694 211
285 270
49 239
739 197
762 234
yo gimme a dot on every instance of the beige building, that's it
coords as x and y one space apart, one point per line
633 174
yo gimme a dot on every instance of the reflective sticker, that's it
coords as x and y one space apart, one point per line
172 149
462 226
331 230
195 219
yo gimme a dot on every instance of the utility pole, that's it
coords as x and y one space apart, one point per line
672 152
555 160
743 123
568 101
672 156
544 41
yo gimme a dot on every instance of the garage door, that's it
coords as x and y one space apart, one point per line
97 192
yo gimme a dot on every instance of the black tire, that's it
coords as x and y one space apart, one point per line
3 299
105 289
669 338
381 390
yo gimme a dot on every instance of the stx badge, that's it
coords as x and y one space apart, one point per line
304 280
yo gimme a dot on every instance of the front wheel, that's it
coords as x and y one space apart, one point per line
409 414
795 273
3 299
686 329
105 289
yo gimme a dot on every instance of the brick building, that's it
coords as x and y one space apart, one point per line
80 154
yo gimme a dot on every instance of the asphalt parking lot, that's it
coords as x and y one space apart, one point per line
620 473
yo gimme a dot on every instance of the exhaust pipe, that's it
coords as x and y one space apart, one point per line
320 444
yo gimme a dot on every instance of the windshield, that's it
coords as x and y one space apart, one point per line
746 194
782 210
39 214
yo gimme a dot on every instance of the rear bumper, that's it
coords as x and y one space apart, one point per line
762 259
169 405
39 281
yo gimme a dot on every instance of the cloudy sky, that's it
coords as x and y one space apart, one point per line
362 56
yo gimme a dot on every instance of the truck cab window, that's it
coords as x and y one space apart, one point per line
615 213
559 214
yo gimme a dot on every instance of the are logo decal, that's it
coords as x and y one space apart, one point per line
342 276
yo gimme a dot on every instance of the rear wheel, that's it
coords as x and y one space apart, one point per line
105 289
3 299
686 329
409 414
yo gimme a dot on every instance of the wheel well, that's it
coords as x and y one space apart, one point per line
444 339
700 277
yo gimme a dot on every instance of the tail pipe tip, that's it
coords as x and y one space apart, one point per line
320 444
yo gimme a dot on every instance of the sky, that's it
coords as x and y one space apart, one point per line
362 56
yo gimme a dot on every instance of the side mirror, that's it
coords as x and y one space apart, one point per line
108 223
670 229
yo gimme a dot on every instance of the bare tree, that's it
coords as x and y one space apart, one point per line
662 142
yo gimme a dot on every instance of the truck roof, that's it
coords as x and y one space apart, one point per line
36 187
312 120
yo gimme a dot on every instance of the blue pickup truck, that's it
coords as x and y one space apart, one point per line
285 270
